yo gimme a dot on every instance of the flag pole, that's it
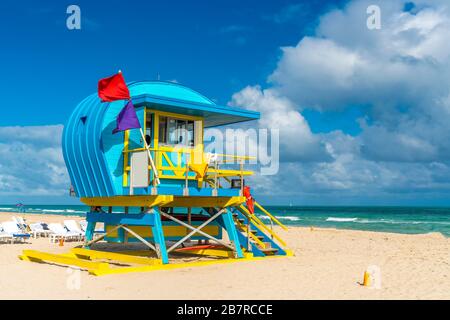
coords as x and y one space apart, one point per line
152 164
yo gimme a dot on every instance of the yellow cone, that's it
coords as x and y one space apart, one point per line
367 281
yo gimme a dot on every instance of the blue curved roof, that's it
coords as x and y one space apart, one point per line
176 98
169 90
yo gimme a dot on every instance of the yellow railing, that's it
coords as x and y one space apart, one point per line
259 223
271 217
177 165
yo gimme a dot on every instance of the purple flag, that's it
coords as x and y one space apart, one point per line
127 119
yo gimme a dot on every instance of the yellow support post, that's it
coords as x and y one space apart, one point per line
137 201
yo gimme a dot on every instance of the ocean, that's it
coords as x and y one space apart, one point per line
411 220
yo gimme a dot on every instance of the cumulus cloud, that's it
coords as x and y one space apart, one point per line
398 76
297 143
31 163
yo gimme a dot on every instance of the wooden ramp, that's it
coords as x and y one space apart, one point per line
103 263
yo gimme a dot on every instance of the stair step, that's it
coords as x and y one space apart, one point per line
269 251
267 245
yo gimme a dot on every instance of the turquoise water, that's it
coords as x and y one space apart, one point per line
388 219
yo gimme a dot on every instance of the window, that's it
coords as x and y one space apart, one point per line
176 131
149 129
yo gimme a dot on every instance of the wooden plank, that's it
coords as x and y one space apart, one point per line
94 254
38 256
124 270
201 202
137 201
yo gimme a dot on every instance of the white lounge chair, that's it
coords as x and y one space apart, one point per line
11 228
39 229
21 223
72 226
3 235
59 232
83 225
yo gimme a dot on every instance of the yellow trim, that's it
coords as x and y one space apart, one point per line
164 201
96 255
252 236
110 233
124 270
259 223
270 216
101 268
168 231
38 256
126 137
201 202
224 253
228 173
138 201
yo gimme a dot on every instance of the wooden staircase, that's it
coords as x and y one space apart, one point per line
253 235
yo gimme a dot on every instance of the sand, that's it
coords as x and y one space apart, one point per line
328 264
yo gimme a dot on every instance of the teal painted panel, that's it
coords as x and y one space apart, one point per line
167 90
135 140
113 145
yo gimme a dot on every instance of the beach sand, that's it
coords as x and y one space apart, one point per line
328 264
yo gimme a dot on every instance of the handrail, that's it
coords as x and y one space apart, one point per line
267 213
259 223
191 150
180 170
251 235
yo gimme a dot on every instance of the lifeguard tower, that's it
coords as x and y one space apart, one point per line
185 201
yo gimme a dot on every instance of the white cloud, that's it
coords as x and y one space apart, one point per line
297 143
398 76
31 162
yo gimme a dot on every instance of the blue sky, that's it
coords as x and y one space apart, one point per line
362 113
216 47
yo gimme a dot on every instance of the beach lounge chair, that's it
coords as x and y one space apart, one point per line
21 223
39 229
83 225
72 226
59 232
11 228
3 235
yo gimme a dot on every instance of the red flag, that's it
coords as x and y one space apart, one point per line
113 88
249 200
